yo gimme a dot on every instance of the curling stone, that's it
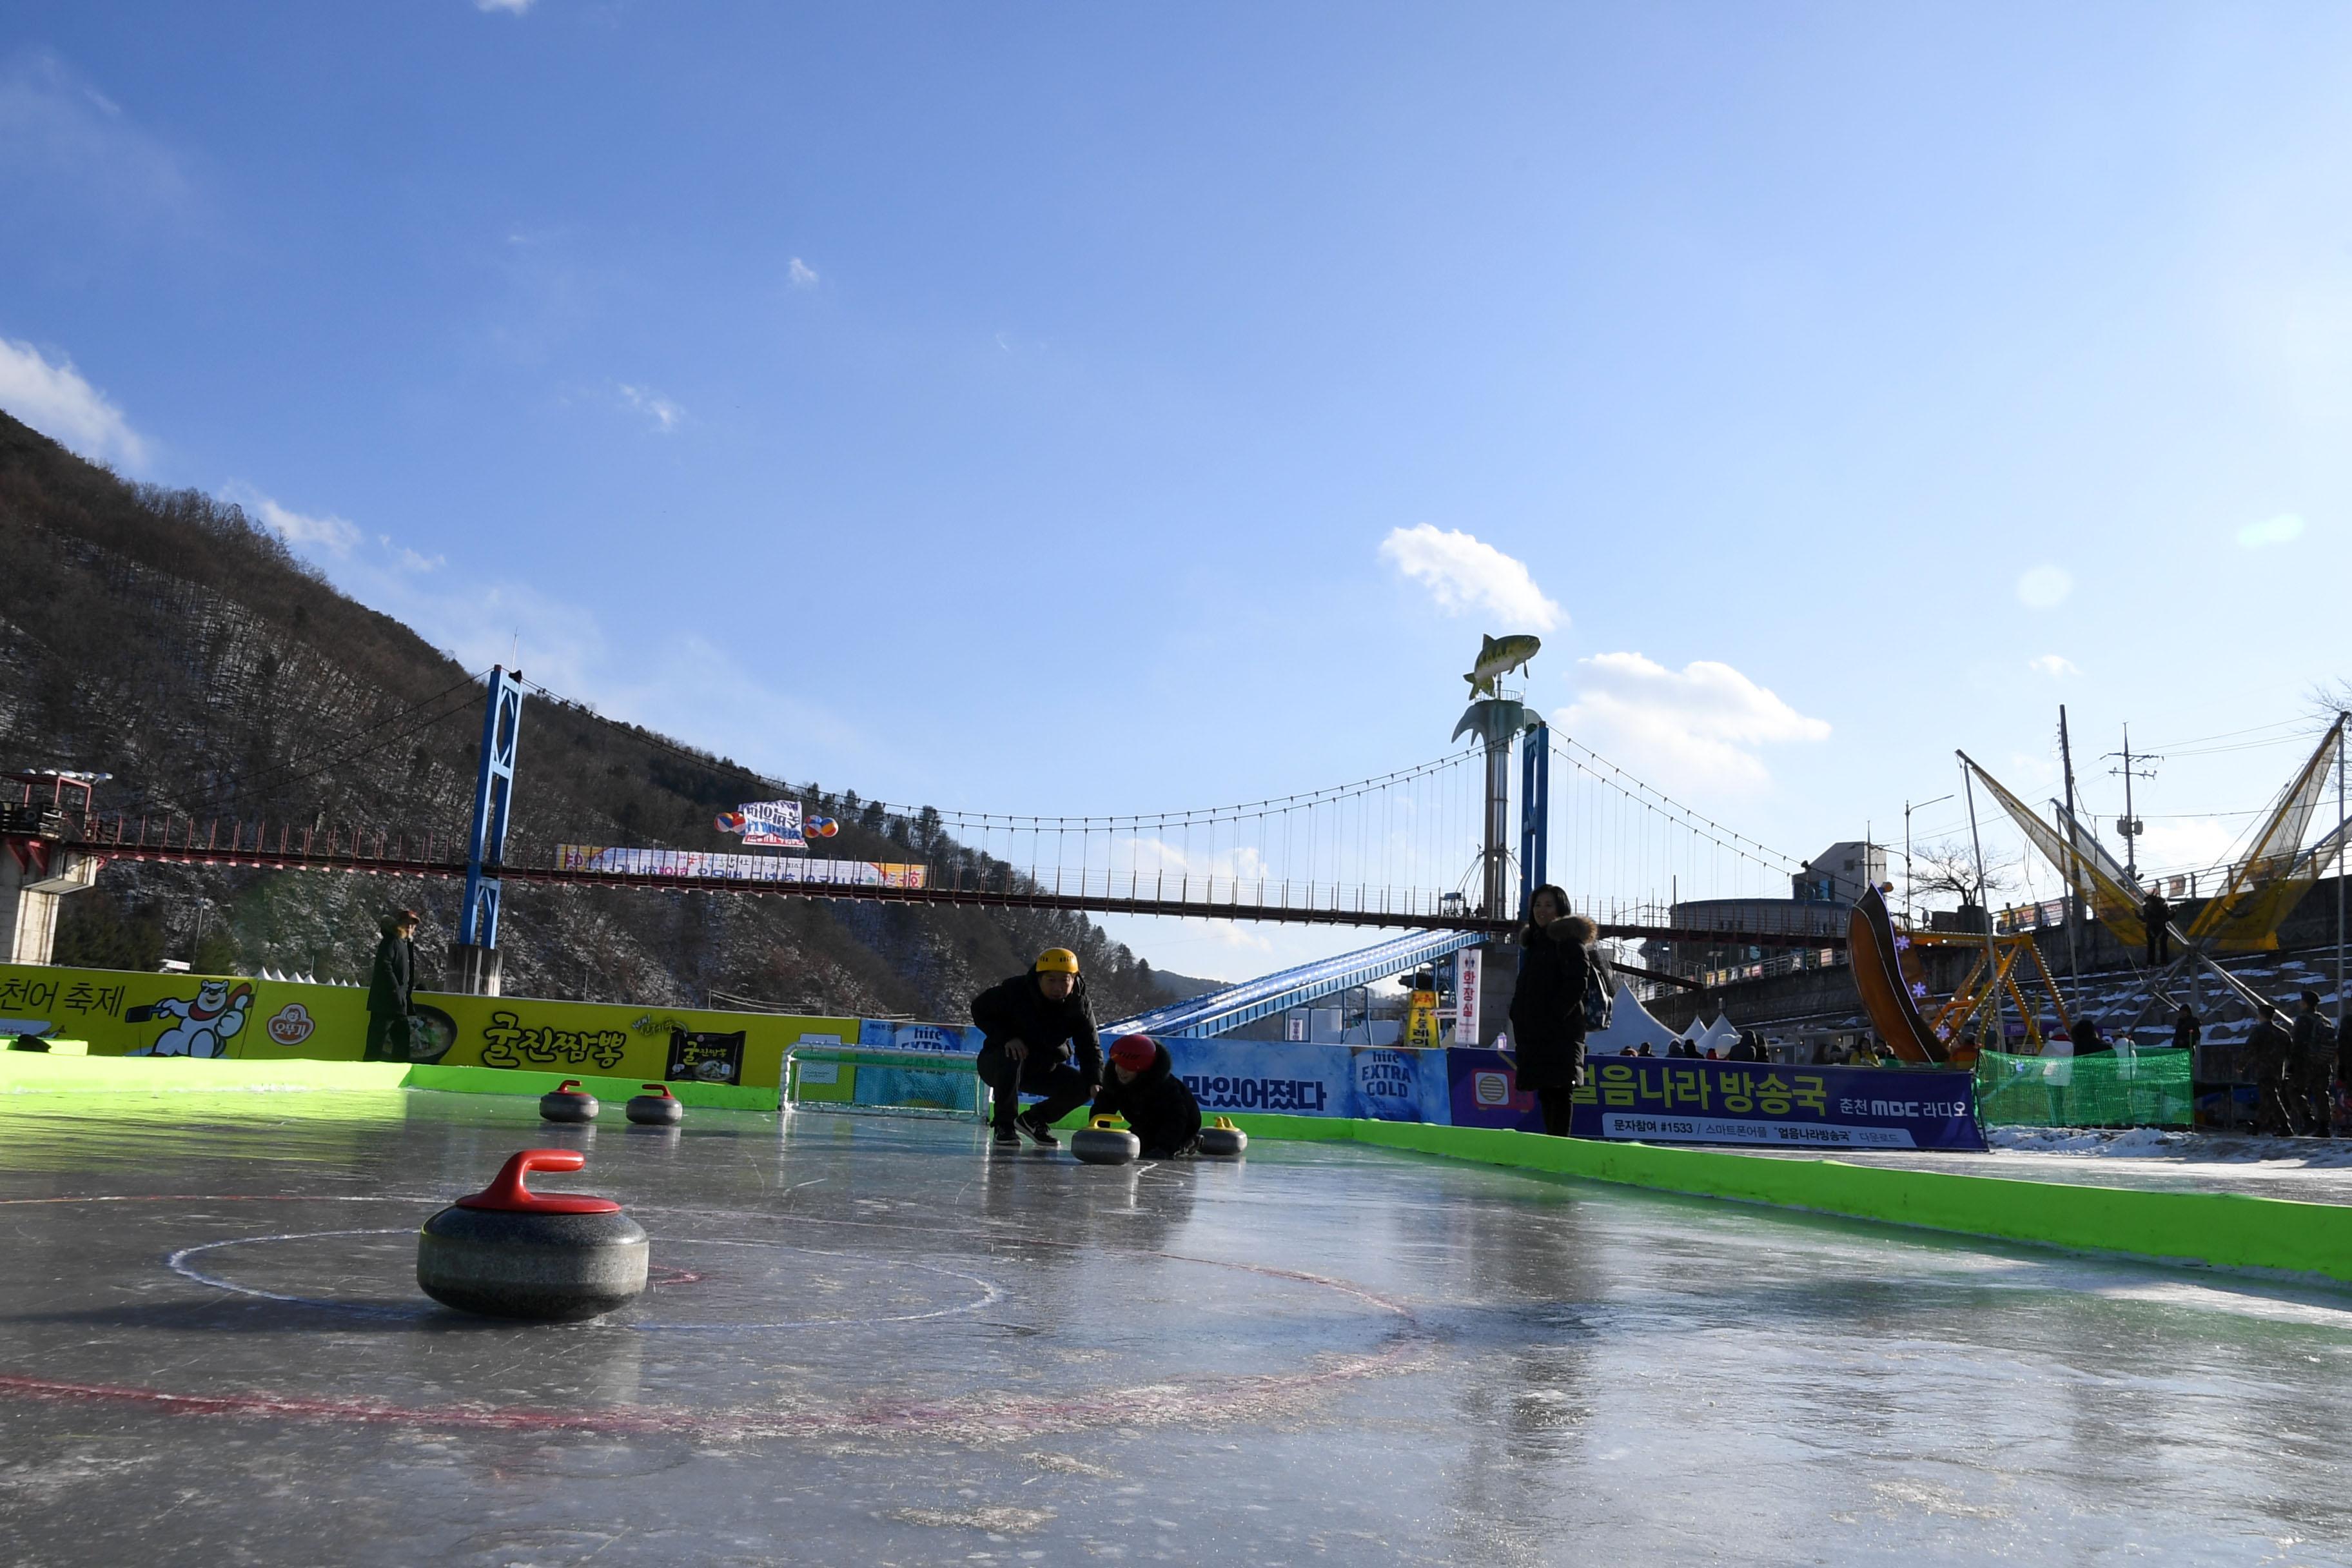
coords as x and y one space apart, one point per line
550 1258
658 1108
1105 1144
567 1102
1225 1140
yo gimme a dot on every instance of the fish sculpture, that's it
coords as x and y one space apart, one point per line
1497 655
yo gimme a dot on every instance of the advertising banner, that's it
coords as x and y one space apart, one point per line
127 1013
772 825
722 866
1483 1090
1292 1079
1469 965
1681 1100
948 1039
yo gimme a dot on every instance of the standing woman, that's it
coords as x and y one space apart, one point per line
1548 1006
392 989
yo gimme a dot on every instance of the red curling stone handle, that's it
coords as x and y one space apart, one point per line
507 1193
660 1088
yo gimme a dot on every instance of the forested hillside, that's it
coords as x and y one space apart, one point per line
163 637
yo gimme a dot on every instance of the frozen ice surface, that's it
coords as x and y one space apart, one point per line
872 1343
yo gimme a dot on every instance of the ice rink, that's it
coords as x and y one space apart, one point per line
869 1342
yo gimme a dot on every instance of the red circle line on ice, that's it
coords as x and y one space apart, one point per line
994 1416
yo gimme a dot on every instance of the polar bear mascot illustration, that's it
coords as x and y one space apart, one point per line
203 1025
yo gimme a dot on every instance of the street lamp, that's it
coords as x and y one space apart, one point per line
1910 915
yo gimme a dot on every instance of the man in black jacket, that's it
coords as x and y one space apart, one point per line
2308 1089
1031 1026
1142 1086
2156 916
392 989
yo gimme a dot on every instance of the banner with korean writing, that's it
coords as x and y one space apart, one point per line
129 1013
1276 1076
772 824
1681 1099
715 865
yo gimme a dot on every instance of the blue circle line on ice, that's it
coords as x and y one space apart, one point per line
178 1262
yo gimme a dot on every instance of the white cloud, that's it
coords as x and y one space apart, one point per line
1699 724
2054 666
57 402
337 538
511 8
2045 587
1464 573
802 275
2284 528
665 414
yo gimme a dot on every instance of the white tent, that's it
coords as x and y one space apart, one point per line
1719 1035
1630 1026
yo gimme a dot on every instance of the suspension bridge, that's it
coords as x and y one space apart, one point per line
1424 848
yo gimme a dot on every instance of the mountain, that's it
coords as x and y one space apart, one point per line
164 638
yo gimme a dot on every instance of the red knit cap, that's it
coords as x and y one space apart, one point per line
1133 1052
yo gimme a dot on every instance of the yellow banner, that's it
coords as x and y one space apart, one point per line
124 1013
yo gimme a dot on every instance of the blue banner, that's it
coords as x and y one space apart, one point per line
1288 1080
948 1039
1483 1090
1683 1099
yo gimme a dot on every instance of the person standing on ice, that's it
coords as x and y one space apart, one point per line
1031 1026
1551 1008
1142 1086
392 989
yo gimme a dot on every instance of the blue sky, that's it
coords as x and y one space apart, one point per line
1098 408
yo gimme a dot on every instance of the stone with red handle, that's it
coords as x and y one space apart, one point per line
509 1252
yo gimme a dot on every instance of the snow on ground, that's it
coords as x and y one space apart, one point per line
2158 1143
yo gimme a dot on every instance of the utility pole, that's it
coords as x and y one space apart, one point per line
2074 875
1911 915
2130 826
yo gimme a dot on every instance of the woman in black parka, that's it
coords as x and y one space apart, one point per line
1548 1006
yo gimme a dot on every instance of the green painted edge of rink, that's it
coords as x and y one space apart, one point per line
36 1072
2222 1230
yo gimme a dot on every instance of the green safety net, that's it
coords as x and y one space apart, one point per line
2144 1089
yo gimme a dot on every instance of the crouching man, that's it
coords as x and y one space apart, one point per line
1144 1088
1031 1027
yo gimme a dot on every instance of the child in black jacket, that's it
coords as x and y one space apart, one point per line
1142 1086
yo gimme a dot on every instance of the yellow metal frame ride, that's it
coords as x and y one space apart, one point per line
1974 989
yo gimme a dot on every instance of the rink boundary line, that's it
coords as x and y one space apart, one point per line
2218 1230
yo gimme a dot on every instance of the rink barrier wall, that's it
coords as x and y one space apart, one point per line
2222 1230
2226 1230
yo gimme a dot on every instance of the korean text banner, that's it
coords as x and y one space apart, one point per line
1291 1079
1681 1099
772 824
726 867
127 1013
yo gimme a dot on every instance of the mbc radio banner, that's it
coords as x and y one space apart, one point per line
1679 1099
